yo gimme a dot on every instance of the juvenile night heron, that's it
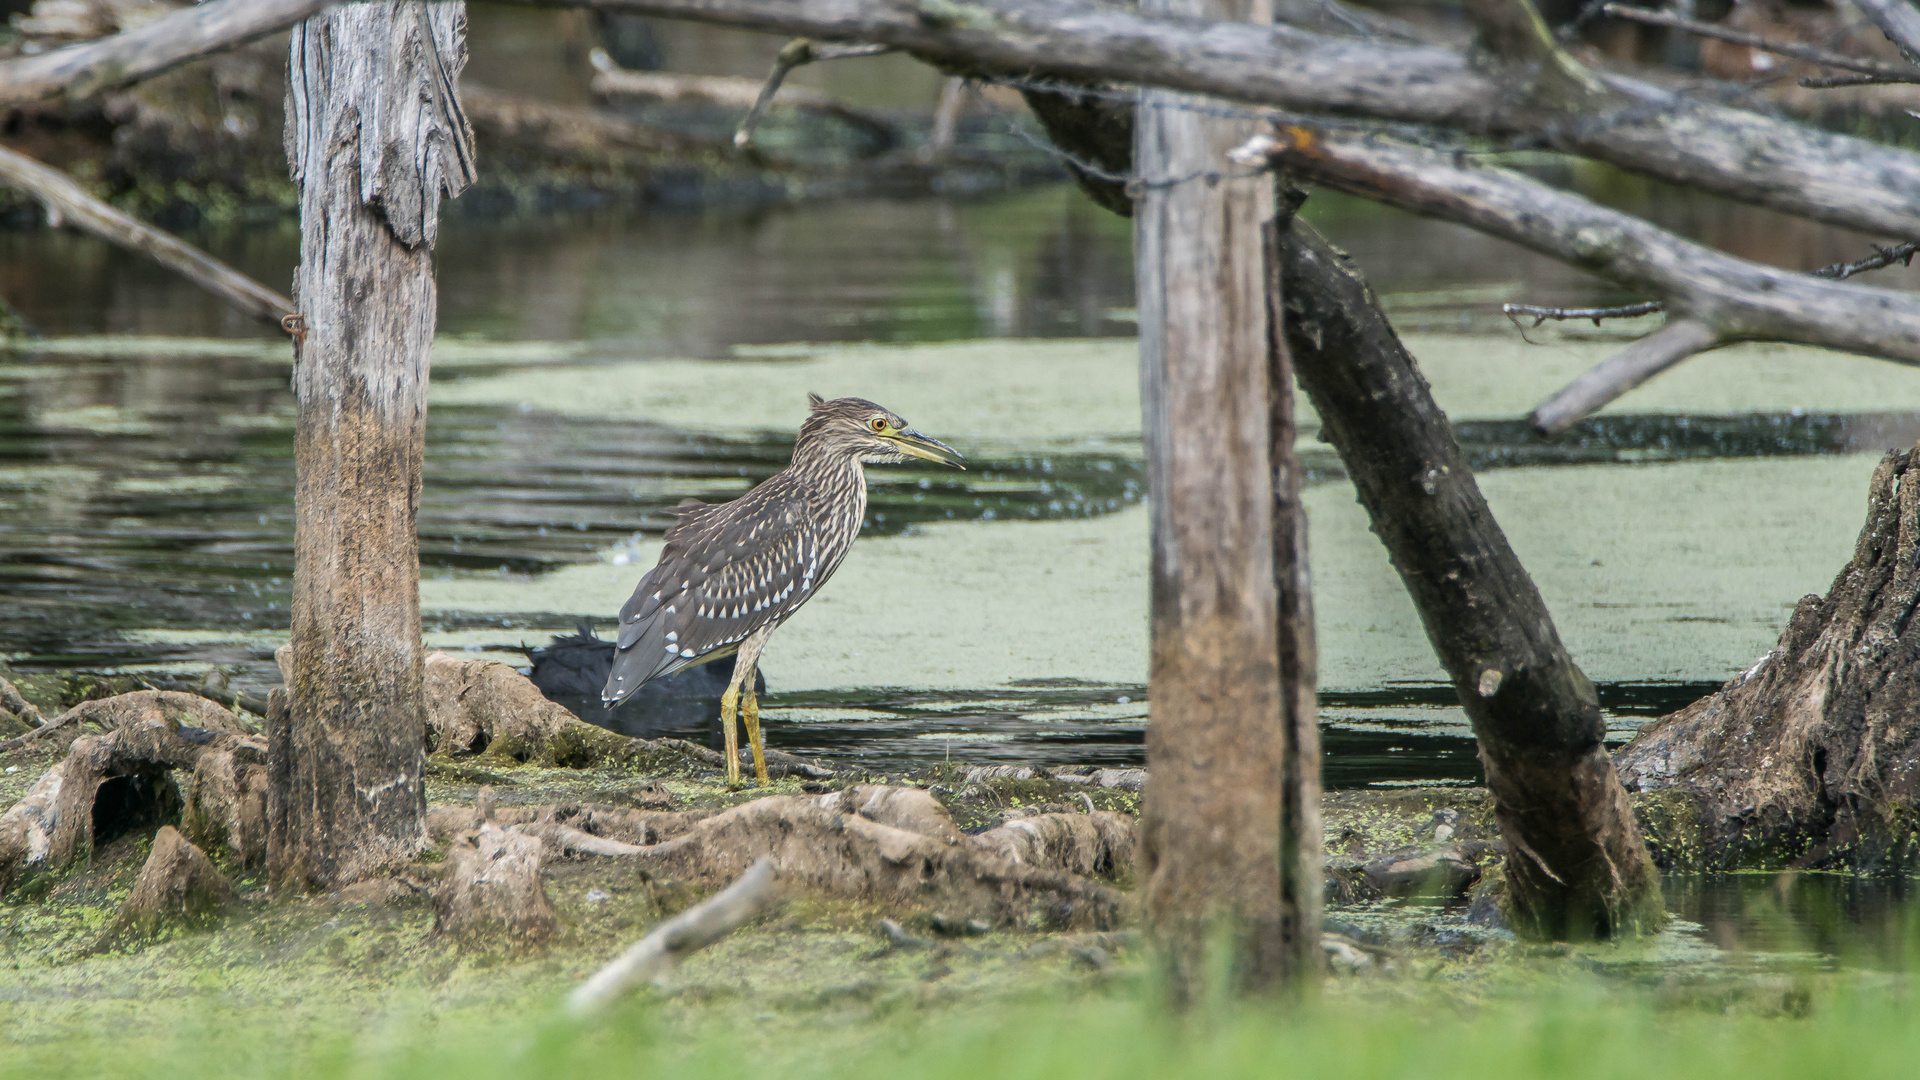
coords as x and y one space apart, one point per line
732 573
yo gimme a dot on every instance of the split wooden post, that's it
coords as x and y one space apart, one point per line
1216 746
375 138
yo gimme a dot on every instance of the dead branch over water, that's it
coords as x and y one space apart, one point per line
149 50
67 203
1714 297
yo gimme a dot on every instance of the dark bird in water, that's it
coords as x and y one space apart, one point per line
572 668
732 573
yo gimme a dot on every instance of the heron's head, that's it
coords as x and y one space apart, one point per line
857 429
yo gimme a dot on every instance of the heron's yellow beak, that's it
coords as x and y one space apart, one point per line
913 443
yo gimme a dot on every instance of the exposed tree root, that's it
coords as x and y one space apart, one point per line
889 845
1813 756
486 707
123 776
179 883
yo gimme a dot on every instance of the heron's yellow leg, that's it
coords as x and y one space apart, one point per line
751 712
729 706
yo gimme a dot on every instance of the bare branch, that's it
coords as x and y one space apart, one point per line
612 80
146 51
1898 20
1626 369
1542 314
69 204
1829 82
1855 183
795 53
1887 256
1732 298
679 937
1797 50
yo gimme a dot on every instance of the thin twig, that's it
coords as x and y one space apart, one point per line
1542 314
794 54
686 933
1810 53
1887 256
1828 82
1881 257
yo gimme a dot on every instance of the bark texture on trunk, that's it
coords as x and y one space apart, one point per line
1301 857
1813 756
375 137
1215 742
1577 867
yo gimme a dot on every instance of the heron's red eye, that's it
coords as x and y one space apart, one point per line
879 423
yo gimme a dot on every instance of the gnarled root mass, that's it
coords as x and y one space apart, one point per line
486 707
124 775
1813 756
890 845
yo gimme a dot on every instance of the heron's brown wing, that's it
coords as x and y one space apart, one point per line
725 572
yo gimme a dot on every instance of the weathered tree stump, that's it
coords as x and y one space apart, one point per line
492 892
1217 740
375 137
1812 757
178 884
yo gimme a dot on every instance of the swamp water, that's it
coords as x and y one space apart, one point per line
594 371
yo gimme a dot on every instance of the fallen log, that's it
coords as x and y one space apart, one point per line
1713 298
67 203
653 956
1533 91
156 47
1812 757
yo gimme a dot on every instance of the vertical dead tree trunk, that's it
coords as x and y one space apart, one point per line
1577 866
375 138
1216 746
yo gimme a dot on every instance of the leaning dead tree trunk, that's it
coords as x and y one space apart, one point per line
375 137
1813 756
1216 747
1577 866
